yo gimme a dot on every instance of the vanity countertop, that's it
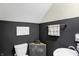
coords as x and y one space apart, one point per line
37 44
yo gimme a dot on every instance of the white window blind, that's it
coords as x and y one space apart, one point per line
54 30
20 30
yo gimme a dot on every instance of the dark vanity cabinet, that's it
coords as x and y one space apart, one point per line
37 49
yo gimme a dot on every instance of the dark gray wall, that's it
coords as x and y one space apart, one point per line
67 35
8 36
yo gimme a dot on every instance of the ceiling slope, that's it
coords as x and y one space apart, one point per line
23 12
61 11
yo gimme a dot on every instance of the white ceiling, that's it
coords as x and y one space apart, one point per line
61 11
23 12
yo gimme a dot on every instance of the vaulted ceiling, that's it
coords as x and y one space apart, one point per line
23 12
38 12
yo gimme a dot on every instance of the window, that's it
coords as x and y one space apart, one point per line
54 30
21 30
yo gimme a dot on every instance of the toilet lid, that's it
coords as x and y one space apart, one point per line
65 52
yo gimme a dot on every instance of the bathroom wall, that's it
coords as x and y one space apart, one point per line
8 36
66 38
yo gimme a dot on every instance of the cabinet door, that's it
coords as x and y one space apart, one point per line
37 50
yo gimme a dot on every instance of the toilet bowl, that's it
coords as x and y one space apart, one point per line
21 49
65 52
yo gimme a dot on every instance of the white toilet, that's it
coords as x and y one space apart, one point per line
65 52
21 49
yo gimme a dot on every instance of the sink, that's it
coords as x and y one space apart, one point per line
65 52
